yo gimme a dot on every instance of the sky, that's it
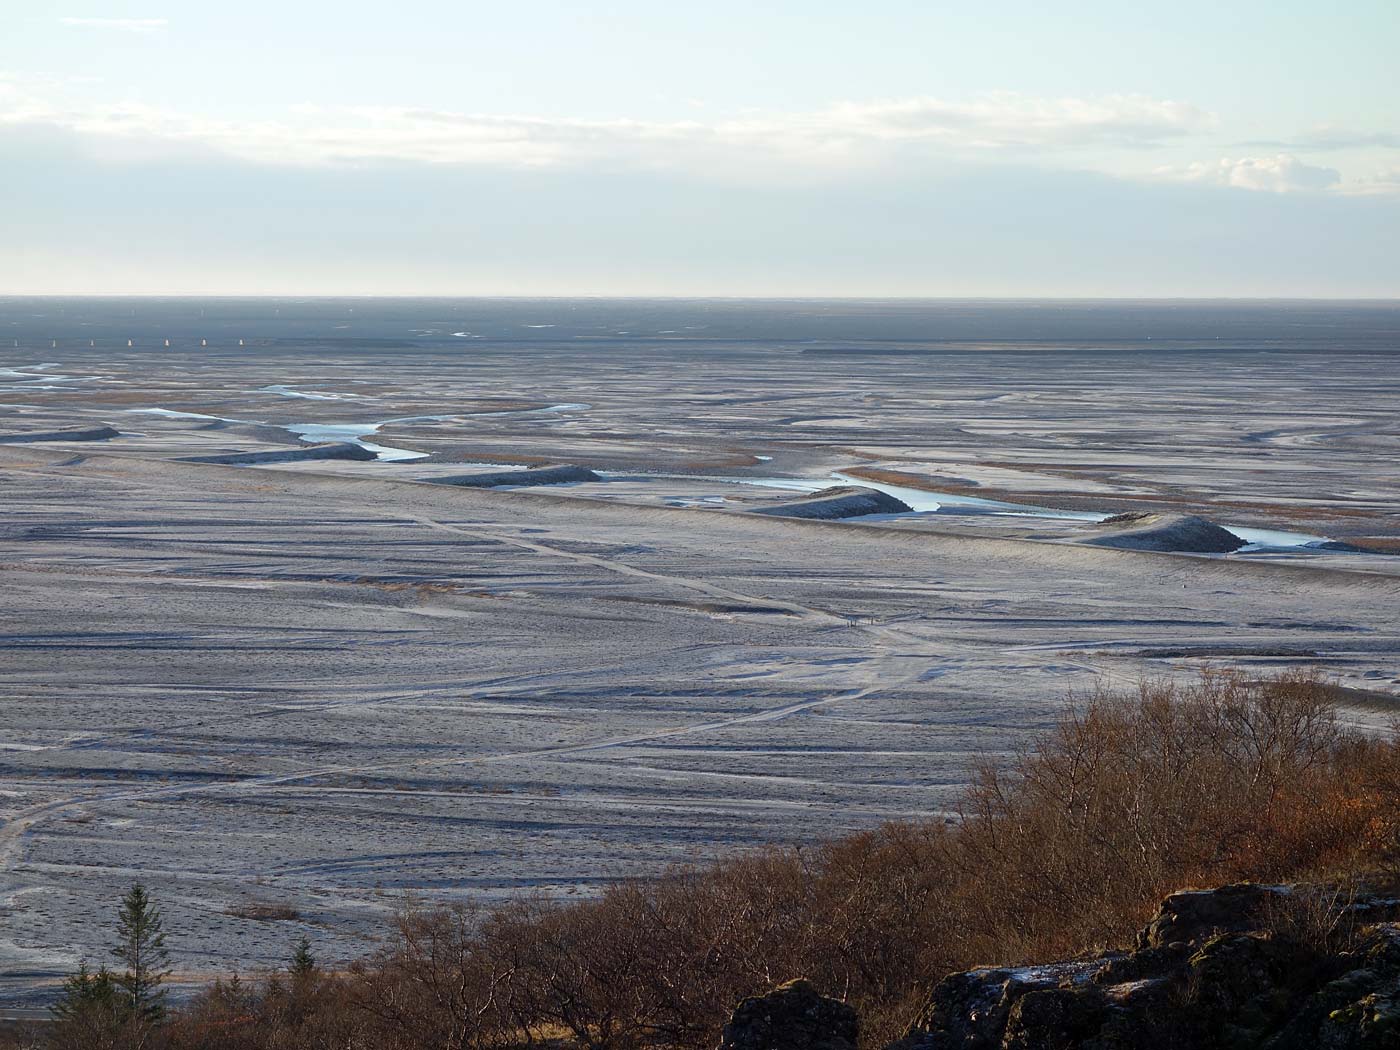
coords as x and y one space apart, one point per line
886 148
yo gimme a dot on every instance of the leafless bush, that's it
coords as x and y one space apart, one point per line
1069 847
1131 797
1320 918
437 985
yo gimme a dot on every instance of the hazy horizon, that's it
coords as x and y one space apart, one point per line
683 297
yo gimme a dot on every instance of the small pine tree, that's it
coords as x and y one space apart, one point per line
235 994
142 948
86 994
303 963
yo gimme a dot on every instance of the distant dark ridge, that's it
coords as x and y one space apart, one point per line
1105 346
1313 325
351 341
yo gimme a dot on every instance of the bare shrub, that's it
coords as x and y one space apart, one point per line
21 1036
437 984
278 1012
1132 797
1068 847
1321 918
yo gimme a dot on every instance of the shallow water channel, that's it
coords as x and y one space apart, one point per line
920 501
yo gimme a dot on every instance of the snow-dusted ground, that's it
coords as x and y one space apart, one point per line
326 685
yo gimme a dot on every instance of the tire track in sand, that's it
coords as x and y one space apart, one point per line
622 568
13 831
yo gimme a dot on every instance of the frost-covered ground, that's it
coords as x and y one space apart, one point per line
328 685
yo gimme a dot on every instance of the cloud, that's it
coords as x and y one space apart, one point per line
127 25
849 133
1330 138
1282 173
1341 138
848 137
1381 183
1006 119
999 229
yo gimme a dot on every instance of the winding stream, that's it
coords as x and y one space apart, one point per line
356 433
920 501
38 378
315 433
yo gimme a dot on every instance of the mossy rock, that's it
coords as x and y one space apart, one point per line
1370 1023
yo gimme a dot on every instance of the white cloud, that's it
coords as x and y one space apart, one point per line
1376 184
127 25
1017 120
1329 137
1282 173
848 133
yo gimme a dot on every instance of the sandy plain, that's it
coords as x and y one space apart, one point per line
325 685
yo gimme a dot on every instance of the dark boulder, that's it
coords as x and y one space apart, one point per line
793 1016
1193 916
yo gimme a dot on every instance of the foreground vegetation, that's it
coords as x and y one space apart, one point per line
1065 849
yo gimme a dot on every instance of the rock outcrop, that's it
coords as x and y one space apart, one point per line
329 450
1245 966
557 474
1166 532
840 501
793 1016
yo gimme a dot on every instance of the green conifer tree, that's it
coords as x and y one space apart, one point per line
303 963
87 995
141 947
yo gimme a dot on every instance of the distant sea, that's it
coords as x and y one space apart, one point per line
820 325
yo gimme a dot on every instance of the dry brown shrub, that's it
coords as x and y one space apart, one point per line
22 1036
1132 797
1320 918
437 984
279 1012
1067 848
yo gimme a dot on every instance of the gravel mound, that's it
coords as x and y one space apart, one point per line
329 450
842 501
1166 532
71 434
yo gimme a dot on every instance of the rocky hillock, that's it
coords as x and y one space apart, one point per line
68 434
839 501
306 453
1246 967
1166 532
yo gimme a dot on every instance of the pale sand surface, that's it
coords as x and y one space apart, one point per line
325 684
